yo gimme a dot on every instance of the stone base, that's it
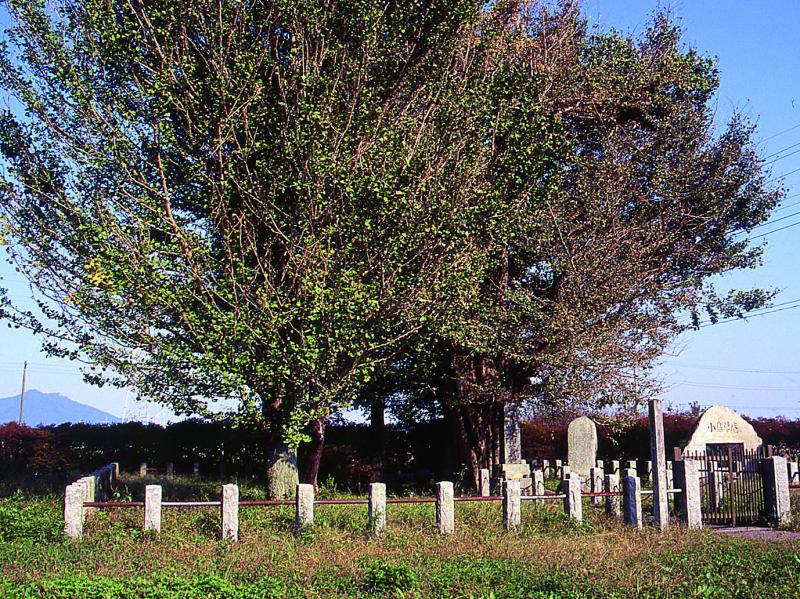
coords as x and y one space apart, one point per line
520 471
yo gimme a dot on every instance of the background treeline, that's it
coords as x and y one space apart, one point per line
410 458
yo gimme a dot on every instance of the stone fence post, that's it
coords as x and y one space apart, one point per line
512 509
792 470
376 512
776 490
73 510
230 512
142 469
152 507
304 508
632 499
485 488
613 503
573 505
538 482
445 508
596 484
688 502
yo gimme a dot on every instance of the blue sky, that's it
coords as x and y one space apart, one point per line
752 366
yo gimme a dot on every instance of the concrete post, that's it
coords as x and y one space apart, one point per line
142 469
485 486
114 472
230 512
688 503
445 508
538 482
670 475
376 512
776 490
615 467
304 508
565 470
559 472
632 465
573 505
73 511
512 508
613 504
546 468
170 470
152 507
596 484
632 499
657 465
600 464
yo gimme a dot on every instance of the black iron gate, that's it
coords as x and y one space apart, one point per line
732 486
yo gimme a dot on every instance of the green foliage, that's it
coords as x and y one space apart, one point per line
387 578
26 520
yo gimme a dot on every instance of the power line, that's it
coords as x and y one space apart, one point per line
797 126
731 369
782 150
776 230
711 324
734 387
777 220
773 161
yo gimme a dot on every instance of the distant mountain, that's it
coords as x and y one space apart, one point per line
51 408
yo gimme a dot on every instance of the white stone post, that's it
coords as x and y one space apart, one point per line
566 469
657 466
304 508
512 508
142 469
73 510
559 469
152 507
114 472
596 484
613 503
445 508
538 482
485 484
573 505
670 475
546 468
230 512
632 465
688 503
600 464
776 490
615 467
632 499
376 512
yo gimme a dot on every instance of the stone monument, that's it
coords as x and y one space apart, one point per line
719 428
512 466
582 446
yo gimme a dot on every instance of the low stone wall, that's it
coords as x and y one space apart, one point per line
92 487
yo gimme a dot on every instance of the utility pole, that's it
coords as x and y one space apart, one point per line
22 395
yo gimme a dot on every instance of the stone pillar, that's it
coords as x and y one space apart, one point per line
511 449
445 508
613 504
670 475
558 469
73 510
512 508
632 465
538 482
688 503
304 508
377 507
776 490
195 468
170 470
615 467
632 499
658 464
596 484
114 472
565 470
142 469
573 505
485 487
152 507
230 512
546 468
600 464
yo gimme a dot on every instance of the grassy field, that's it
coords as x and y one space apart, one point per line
548 557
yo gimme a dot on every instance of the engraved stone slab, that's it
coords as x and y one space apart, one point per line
582 446
721 425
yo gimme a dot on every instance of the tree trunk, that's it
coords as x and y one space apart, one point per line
317 432
282 477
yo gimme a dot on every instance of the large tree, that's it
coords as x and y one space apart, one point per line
245 205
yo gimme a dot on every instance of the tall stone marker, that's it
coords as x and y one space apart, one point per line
658 458
720 427
582 446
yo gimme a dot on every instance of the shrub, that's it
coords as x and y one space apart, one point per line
384 577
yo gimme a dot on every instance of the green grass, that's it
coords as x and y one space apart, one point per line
548 557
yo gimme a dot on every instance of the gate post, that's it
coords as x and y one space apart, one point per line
152 507
632 499
573 504
689 501
658 464
613 503
538 482
445 508
512 516
776 490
